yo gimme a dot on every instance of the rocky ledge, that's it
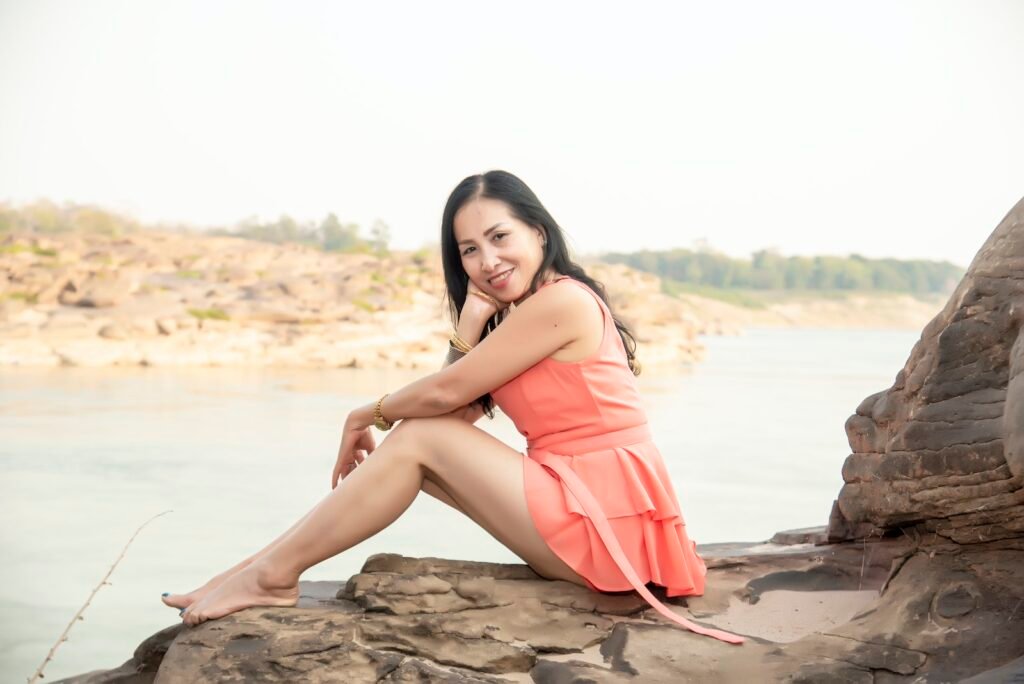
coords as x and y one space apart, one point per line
895 610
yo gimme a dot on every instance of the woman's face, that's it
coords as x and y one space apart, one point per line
499 252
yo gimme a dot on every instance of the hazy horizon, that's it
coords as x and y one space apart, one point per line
881 129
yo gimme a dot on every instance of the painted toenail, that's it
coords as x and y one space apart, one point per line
166 593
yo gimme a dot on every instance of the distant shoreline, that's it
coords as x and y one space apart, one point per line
151 298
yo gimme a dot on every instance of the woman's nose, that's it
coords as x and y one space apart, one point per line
490 261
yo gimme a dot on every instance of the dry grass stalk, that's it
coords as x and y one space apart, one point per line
78 616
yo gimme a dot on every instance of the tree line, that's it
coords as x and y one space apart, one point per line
701 267
769 270
330 234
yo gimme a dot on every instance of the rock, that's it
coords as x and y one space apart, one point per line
105 292
804 535
262 286
908 612
113 331
140 668
62 280
166 326
29 316
26 351
97 352
941 453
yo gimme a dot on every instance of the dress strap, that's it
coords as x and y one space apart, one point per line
604 530
555 280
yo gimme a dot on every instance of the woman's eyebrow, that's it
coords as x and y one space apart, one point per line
499 223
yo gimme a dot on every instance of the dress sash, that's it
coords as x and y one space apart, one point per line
543 451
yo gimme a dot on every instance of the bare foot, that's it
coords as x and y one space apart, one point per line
255 585
185 600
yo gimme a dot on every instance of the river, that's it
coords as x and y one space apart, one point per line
753 438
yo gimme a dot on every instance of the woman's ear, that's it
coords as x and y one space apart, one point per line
541 235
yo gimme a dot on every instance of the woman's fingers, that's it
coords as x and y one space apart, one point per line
355 446
366 441
339 463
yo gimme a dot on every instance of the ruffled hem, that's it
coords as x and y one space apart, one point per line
635 493
626 480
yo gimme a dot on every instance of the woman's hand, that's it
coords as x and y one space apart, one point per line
480 305
356 442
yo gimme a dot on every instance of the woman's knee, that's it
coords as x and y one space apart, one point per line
419 432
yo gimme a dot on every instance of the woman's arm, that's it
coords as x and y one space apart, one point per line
470 332
547 321
421 399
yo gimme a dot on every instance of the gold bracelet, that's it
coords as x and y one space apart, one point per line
460 343
486 297
379 421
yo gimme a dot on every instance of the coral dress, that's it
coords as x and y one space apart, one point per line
596 484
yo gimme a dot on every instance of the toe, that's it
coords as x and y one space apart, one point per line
173 600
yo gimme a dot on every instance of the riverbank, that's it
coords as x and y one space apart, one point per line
152 298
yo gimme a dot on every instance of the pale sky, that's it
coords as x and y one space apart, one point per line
883 128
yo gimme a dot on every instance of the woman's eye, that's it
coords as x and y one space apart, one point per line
496 236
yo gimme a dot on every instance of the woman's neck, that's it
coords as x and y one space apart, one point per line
550 275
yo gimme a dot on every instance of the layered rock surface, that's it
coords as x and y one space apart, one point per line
941 453
813 613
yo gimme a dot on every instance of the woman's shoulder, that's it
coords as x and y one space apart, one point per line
580 292
570 303
565 290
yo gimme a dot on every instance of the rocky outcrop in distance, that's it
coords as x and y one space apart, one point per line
176 299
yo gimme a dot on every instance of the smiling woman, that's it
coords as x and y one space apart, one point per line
590 502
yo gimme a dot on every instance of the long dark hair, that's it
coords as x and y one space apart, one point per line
524 205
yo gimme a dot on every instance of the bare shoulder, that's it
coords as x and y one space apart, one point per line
567 305
564 298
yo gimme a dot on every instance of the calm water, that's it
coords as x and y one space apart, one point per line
753 438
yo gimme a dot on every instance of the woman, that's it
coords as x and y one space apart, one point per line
591 503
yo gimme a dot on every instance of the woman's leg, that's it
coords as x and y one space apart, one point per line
185 600
482 474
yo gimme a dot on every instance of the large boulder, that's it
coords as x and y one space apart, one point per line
941 452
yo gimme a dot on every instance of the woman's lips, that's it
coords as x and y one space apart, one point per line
499 284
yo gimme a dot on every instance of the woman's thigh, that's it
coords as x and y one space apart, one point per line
485 477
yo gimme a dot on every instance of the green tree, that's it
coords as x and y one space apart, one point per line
380 236
338 237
